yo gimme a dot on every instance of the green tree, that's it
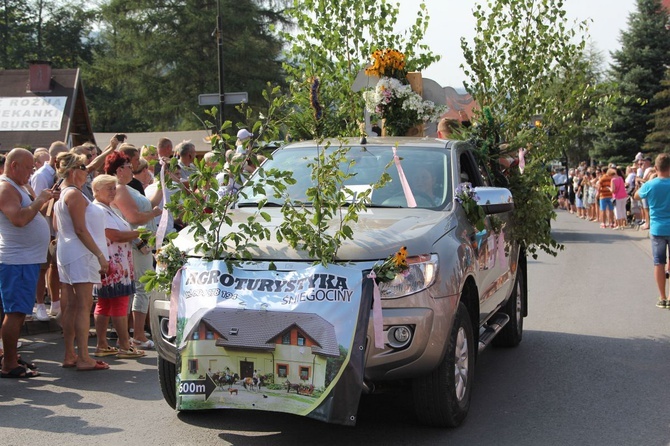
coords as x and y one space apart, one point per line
527 70
658 140
66 35
333 42
638 68
59 32
17 36
157 59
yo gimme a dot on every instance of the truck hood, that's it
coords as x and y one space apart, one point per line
378 233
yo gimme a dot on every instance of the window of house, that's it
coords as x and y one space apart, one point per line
301 339
209 334
286 338
196 335
192 366
304 373
282 370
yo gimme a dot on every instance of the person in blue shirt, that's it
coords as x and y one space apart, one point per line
657 193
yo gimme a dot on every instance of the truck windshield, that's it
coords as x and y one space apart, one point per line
426 170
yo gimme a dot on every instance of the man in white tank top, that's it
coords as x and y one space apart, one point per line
24 238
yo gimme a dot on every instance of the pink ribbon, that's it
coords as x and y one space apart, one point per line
162 224
377 317
522 159
409 196
174 303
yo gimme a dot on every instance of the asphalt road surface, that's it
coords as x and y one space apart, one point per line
592 370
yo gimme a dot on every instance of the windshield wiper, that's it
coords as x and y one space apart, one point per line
393 206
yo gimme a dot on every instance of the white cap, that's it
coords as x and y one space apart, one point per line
639 156
244 134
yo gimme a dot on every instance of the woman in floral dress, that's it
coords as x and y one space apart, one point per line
118 284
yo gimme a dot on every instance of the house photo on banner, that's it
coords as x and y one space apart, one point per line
283 341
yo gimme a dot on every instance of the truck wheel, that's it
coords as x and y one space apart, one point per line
167 377
512 332
442 398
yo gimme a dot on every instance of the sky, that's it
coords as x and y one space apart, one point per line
452 19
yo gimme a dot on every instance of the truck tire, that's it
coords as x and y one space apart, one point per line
442 398
167 377
512 332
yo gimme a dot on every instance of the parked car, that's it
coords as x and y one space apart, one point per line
466 288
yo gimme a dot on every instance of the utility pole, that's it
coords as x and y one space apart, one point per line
219 40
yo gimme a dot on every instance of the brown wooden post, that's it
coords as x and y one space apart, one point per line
416 82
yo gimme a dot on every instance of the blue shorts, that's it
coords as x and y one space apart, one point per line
18 284
606 203
659 248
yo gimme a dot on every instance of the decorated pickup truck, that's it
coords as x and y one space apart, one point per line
429 278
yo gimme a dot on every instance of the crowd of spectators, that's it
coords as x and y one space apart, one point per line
606 194
75 228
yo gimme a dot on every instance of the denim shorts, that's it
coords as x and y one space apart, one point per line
606 203
659 248
18 284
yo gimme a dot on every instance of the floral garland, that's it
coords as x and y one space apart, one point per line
391 266
393 98
169 260
467 197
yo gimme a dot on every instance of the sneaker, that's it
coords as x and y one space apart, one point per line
41 313
55 309
662 304
146 345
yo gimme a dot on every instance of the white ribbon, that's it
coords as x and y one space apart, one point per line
162 224
174 303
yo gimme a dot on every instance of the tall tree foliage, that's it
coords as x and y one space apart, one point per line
16 33
158 57
638 68
46 30
333 42
658 140
527 70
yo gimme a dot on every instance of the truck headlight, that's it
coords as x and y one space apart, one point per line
420 275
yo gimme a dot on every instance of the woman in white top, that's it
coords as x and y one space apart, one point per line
81 257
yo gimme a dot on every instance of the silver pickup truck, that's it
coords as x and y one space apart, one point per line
466 288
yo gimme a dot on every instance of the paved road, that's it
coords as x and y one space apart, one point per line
591 370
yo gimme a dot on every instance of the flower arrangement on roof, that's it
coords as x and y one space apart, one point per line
393 99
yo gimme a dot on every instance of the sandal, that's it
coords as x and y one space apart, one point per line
99 365
131 353
108 351
19 373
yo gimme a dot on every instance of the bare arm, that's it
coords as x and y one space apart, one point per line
10 204
125 203
99 160
116 236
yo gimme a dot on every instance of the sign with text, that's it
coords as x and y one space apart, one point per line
32 113
284 341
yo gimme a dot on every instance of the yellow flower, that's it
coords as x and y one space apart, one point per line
388 62
400 257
